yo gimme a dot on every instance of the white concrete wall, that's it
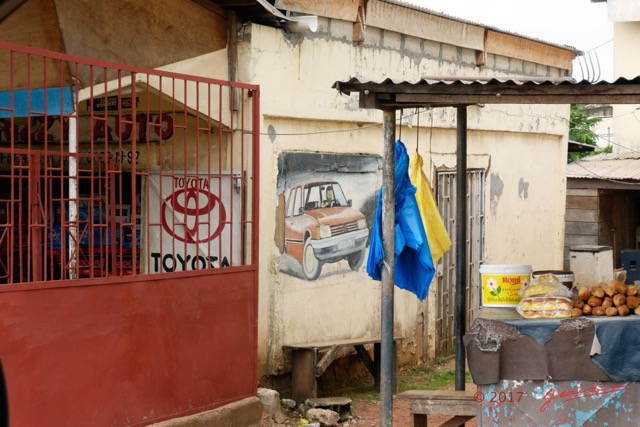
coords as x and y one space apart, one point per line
524 148
623 10
626 63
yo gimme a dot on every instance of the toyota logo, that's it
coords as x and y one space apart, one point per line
196 205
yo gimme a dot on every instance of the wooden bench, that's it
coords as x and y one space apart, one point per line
308 366
460 404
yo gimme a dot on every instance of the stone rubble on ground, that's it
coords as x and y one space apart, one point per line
288 403
326 417
270 400
312 413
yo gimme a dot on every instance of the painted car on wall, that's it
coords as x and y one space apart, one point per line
321 226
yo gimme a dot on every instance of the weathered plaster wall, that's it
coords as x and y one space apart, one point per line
524 147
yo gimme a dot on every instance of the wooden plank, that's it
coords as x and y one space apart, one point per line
366 359
602 184
513 46
582 192
415 23
581 228
303 380
444 407
575 240
497 97
326 360
327 344
582 215
511 89
582 202
437 394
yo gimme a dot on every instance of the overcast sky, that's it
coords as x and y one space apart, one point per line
576 23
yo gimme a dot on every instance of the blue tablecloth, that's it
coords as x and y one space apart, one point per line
619 339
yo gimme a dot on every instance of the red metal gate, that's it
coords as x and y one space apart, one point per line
128 240
123 176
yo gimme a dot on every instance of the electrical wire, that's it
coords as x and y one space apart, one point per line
418 112
334 130
398 120
600 45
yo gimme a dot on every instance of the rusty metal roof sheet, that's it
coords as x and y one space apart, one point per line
619 166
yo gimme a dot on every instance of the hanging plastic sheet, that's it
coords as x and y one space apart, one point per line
413 263
439 241
24 103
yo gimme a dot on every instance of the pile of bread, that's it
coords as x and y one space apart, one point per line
549 299
546 299
607 299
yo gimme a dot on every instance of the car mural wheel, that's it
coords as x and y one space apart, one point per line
356 260
310 264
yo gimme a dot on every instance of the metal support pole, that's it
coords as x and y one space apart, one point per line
387 353
461 243
74 231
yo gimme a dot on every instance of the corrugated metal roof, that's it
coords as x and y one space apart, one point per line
457 91
479 80
478 24
619 166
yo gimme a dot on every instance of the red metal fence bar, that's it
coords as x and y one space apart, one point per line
110 170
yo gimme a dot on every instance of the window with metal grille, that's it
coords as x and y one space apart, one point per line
108 170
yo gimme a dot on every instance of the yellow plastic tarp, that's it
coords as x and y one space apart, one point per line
437 236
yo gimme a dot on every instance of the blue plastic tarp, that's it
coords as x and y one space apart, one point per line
32 102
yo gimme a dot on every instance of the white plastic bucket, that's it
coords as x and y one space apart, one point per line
501 283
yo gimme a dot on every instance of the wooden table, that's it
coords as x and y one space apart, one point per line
460 404
307 366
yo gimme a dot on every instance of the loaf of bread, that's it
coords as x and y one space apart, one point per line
538 290
545 307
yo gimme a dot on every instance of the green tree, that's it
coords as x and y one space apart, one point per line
581 130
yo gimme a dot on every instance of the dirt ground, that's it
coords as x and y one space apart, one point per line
367 413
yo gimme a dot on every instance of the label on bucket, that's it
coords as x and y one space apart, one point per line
501 290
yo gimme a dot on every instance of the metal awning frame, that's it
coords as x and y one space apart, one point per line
390 96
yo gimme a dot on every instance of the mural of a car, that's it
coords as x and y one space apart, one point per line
322 227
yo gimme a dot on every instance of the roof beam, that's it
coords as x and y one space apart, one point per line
8 6
499 98
451 93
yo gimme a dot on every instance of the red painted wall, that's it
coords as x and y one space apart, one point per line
129 353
